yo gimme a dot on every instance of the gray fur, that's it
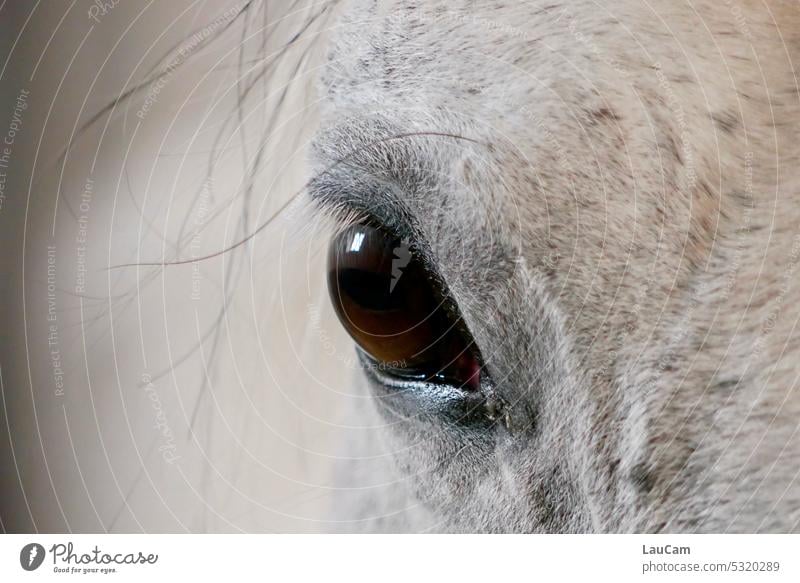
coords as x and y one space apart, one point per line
620 233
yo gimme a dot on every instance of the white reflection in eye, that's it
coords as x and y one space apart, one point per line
358 239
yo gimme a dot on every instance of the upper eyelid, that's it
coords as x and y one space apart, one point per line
348 207
370 172
367 201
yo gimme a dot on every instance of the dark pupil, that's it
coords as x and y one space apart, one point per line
386 300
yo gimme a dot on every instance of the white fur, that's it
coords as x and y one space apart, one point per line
621 237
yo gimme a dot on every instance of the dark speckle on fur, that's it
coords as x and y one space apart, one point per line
725 121
642 478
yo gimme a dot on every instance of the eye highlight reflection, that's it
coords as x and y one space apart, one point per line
396 312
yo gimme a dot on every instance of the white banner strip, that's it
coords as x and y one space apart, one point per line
356 558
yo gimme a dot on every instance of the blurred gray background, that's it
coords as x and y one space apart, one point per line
206 396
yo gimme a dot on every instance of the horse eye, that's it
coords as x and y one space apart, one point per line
395 311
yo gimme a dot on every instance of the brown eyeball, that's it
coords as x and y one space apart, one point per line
390 305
